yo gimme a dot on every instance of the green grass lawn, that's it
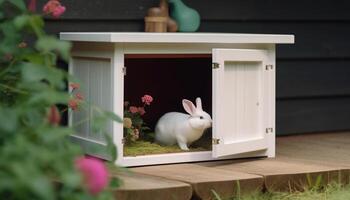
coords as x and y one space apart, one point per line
331 192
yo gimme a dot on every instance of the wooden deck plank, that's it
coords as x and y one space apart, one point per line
137 186
282 175
299 158
327 148
324 154
205 179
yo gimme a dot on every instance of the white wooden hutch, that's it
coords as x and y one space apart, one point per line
242 86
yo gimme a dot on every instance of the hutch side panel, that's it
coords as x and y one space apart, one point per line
95 78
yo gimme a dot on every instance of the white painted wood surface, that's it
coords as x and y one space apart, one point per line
142 37
118 101
244 75
238 101
96 87
81 72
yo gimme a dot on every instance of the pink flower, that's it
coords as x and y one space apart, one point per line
73 104
50 6
58 11
79 96
141 110
54 7
32 5
133 109
94 172
54 116
147 99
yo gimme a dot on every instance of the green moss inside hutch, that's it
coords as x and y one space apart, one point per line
141 148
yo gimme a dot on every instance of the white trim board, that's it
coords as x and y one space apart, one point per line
143 37
182 157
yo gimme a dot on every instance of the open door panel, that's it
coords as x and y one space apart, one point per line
241 114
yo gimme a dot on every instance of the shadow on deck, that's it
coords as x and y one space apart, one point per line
299 162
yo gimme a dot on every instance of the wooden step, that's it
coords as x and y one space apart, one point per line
300 160
284 175
205 180
136 186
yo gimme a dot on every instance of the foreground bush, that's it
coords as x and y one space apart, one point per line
37 161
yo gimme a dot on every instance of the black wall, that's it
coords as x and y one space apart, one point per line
313 75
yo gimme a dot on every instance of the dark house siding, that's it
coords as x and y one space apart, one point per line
313 76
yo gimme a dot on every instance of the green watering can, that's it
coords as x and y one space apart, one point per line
187 19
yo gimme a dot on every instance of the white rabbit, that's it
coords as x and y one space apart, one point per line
183 129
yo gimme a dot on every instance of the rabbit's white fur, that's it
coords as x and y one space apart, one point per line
183 129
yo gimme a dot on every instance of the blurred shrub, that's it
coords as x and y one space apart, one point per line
37 161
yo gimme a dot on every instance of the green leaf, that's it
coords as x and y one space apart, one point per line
34 58
42 187
111 148
33 117
34 73
21 21
37 23
50 134
129 131
115 183
145 128
11 37
19 4
98 124
71 179
8 119
49 97
114 151
33 86
33 22
216 195
318 182
137 121
113 116
49 43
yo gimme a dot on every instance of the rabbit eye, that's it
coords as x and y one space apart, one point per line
201 117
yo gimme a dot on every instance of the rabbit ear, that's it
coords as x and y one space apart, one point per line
188 106
199 103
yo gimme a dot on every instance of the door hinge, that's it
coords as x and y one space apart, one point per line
124 71
215 141
269 67
215 65
269 130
